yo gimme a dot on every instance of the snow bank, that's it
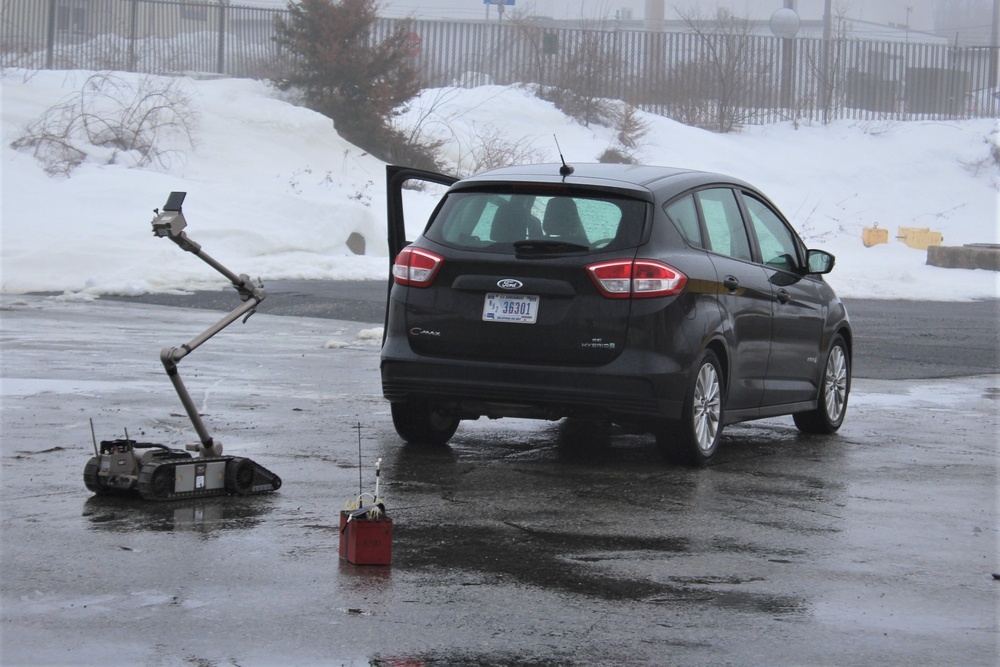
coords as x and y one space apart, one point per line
273 191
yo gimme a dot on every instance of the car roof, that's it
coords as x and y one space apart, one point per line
640 180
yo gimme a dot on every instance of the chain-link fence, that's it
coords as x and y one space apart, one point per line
713 79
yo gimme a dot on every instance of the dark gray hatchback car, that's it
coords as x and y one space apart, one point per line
670 300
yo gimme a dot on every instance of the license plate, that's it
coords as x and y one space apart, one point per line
519 308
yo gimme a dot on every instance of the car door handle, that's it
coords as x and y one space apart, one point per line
731 283
783 296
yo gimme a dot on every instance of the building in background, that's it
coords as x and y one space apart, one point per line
967 22
962 22
917 14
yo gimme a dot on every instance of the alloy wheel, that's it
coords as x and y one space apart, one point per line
835 391
707 408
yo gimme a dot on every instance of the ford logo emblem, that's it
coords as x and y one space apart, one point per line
509 283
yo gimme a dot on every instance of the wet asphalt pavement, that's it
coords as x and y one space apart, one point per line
895 340
523 543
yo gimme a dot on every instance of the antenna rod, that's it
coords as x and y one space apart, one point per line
93 437
361 484
565 170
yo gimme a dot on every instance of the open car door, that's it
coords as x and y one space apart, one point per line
398 179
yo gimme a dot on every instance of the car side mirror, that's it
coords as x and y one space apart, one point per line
819 262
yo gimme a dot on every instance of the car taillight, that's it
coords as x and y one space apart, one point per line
415 267
640 278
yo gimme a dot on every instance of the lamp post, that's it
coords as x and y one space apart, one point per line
995 41
784 24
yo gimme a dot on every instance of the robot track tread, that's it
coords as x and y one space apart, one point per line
175 479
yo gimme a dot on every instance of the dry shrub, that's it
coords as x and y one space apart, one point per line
114 121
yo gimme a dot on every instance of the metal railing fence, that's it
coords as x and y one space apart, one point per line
155 36
714 80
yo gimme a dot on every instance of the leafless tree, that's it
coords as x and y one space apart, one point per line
726 76
585 78
826 64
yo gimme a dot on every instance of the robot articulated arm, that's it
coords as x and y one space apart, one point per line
170 223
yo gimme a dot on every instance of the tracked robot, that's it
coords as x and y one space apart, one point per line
158 472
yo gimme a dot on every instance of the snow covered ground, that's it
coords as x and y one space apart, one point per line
274 192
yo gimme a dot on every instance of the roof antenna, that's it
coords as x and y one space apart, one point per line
565 170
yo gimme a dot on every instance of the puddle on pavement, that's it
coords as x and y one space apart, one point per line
122 514
564 561
467 659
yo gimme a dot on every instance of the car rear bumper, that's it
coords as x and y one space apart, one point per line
476 388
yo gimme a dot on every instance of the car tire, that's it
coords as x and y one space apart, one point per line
419 423
694 438
835 387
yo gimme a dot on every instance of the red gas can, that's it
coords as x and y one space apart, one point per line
365 541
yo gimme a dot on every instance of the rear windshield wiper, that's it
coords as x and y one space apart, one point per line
541 246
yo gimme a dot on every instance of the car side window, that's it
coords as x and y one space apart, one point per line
685 216
778 248
724 223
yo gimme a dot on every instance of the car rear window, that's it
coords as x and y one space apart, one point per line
493 222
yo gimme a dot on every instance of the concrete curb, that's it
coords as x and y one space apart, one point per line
965 257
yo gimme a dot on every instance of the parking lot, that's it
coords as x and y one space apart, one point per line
523 543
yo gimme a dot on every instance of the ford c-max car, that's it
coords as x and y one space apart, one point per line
664 299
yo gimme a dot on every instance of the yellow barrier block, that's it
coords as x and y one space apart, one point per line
873 236
919 238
